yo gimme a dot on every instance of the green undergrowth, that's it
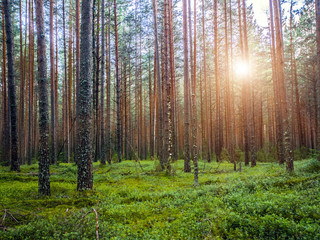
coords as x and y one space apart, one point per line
263 202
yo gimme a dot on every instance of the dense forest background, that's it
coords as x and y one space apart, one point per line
226 85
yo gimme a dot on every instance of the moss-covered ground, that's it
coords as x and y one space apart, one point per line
263 202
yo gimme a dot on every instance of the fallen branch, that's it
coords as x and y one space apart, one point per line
97 224
13 217
136 156
97 221
5 215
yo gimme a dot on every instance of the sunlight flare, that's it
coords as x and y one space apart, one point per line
241 68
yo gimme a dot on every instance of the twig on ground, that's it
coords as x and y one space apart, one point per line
97 221
4 217
136 156
13 217
97 224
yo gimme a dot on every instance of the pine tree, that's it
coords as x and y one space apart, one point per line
84 101
118 97
186 90
288 151
103 148
14 161
317 6
44 160
52 90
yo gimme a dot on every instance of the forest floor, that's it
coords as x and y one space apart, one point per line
263 202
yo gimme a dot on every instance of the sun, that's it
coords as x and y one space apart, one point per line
241 68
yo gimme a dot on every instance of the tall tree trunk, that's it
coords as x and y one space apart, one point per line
219 127
317 2
21 128
247 87
31 66
172 83
278 115
151 110
44 159
204 113
77 61
69 88
186 90
25 103
52 90
84 100
65 106
108 72
191 75
125 110
228 97
233 135
194 101
140 94
229 122
244 96
56 83
5 127
159 117
96 124
14 164
103 147
167 95
288 151
136 84
118 97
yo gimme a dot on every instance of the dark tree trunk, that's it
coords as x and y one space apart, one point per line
103 147
96 123
56 81
22 89
191 79
318 66
44 160
84 100
108 83
77 61
69 88
65 106
5 127
31 83
15 164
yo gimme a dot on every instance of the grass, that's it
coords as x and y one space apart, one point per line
263 202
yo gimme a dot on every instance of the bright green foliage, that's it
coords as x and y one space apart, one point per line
263 202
